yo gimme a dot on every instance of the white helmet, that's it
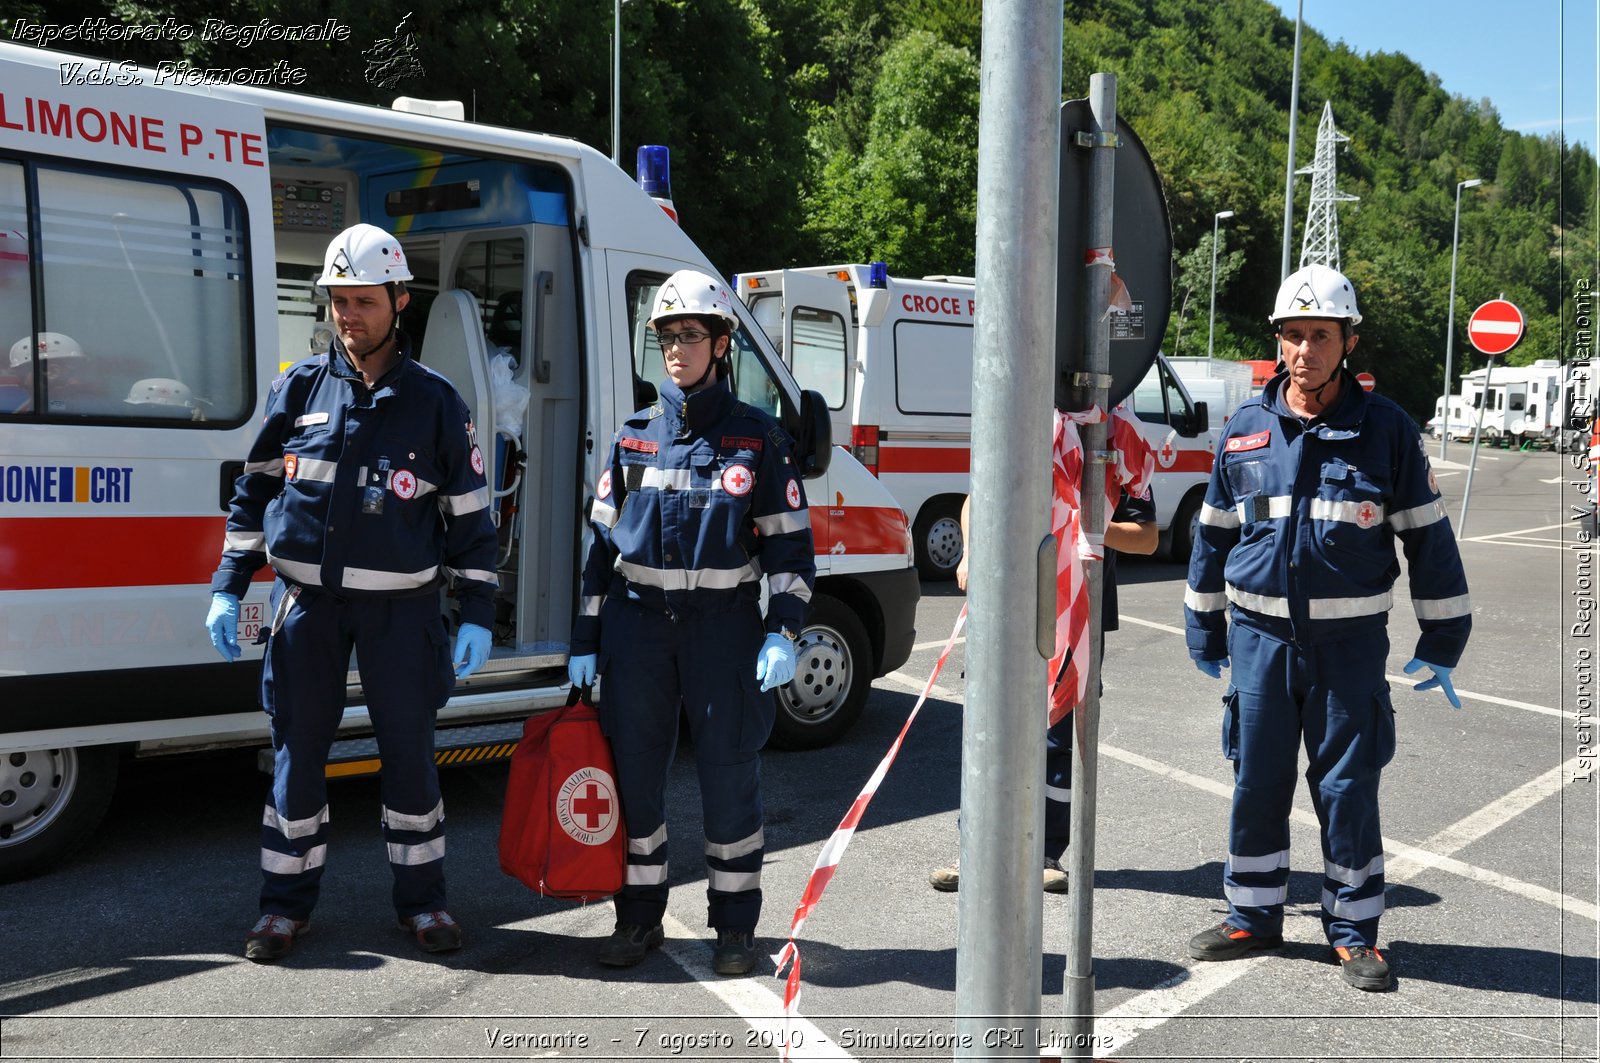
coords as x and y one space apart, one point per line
689 292
363 254
160 391
49 345
1316 291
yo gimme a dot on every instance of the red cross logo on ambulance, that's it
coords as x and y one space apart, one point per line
1366 515
404 484
791 494
1168 454
586 806
737 480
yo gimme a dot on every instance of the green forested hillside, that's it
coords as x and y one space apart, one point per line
808 131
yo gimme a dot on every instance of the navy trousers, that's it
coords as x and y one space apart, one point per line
655 667
404 658
1333 699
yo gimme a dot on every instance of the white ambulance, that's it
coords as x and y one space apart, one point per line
892 358
157 251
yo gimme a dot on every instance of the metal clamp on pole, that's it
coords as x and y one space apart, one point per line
1107 139
1089 381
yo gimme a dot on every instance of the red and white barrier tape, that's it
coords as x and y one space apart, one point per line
833 851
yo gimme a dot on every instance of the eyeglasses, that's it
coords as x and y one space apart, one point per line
684 338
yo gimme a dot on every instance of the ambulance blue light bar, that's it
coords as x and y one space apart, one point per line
653 171
878 275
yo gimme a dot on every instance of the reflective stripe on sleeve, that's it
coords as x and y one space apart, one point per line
603 514
461 505
425 822
270 468
1204 603
788 583
481 575
1419 517
1218 518
421 853
688 579
1059 794
1442 608
371 579
1258 603
1355 911
254 542
781 523
285 864
591 605
734 850
294 828
732 881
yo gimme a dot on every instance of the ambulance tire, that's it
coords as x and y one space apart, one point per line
51 801
937 538
1184 523
833 675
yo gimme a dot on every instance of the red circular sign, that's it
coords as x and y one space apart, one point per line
1496 327
1367 381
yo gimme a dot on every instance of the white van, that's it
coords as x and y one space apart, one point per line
892 358
173 235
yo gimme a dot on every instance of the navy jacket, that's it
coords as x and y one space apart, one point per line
700 498
1299 525
365 491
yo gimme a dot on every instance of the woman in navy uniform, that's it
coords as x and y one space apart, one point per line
700 498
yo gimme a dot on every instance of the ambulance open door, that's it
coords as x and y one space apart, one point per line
816 339
455 347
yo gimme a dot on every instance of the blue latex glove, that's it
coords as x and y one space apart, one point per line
1213 668
223 624
472 649
775 663
1441 679
581 669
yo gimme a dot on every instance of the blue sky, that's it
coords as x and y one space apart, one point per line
1510 51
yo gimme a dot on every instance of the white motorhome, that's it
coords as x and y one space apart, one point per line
173 235
892 358
1525 403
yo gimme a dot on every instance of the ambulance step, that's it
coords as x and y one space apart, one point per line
475 744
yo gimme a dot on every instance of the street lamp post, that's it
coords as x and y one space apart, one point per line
1211 330
616 83
1450 327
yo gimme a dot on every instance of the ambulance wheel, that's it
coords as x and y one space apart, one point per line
51 800
832 676
937 535
1185 523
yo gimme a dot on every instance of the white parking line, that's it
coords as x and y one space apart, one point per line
1155 1006
748 998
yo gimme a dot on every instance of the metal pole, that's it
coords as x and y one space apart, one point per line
616 82
1472 464
1288 170
1450 327
1078 979
1211 330
1000 914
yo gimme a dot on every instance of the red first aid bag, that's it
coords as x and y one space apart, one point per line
561 832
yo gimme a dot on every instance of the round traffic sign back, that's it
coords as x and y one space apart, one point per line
1496 327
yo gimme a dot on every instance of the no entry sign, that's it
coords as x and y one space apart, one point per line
1367 381
1495 327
